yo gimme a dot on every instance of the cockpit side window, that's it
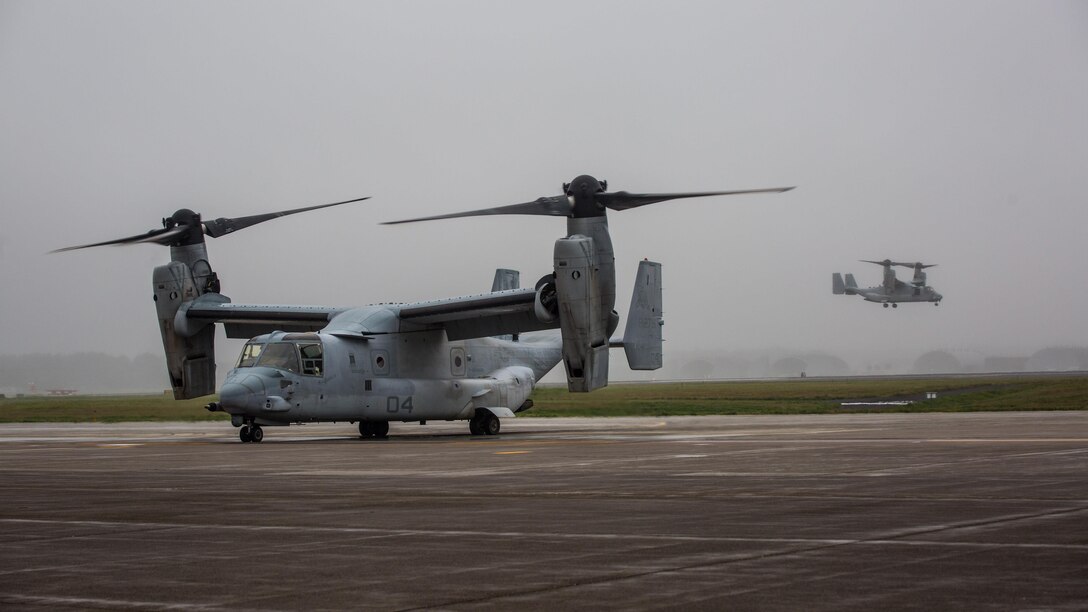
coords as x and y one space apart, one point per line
280 355
249 356
312 359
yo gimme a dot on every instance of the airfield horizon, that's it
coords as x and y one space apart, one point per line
812 395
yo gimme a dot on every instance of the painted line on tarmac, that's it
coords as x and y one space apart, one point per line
897 538
96 602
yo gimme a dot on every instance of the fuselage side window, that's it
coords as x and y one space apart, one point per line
312 359
280 355
249 356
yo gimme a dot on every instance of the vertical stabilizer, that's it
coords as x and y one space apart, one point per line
505 279
642 335
837 286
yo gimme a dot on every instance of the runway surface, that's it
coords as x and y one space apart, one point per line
985 511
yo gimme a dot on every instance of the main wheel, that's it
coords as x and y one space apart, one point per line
490 424
885 305
474 427
256 433
365 430
380 429
243 434
895 305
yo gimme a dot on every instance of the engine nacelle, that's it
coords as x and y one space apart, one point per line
584 318
190 354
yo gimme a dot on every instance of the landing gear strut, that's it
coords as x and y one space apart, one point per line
374 429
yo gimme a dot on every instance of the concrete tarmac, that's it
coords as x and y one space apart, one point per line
977 511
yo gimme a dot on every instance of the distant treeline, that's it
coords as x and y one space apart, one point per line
99 373
83 372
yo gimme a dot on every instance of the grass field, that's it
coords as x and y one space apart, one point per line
812 396
797 396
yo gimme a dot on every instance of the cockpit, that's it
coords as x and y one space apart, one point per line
298 353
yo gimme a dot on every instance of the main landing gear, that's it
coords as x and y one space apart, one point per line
374 429
251 433
485 423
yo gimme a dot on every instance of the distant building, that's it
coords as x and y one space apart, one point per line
1059 359
1005 364
937 362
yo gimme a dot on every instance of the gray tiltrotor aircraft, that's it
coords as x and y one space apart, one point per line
893 290
458 358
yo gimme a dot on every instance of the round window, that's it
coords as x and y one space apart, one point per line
379 361
457 361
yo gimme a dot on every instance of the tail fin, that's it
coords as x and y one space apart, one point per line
505 279
850 282
642 335
837 286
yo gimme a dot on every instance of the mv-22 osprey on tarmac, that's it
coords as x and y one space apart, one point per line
458 358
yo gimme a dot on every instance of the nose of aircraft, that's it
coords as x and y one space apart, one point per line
244 395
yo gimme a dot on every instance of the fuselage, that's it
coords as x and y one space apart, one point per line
905 293
284 378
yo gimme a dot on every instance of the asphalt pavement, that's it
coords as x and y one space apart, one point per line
979 511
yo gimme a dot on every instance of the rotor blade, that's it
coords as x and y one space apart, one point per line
912 264
160 236
556 206
879 263
223 226
622 200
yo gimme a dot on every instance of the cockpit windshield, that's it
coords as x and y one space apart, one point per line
279 355
306 358
250 354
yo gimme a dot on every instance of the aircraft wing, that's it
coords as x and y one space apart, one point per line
475 316
248 320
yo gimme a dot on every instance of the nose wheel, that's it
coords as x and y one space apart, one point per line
251 433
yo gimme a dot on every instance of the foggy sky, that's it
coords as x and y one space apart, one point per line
953 133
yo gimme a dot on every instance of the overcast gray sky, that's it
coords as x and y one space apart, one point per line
954 133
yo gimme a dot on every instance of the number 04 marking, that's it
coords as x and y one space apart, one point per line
397 404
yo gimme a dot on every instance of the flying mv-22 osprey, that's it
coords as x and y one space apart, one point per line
893 290
458 358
